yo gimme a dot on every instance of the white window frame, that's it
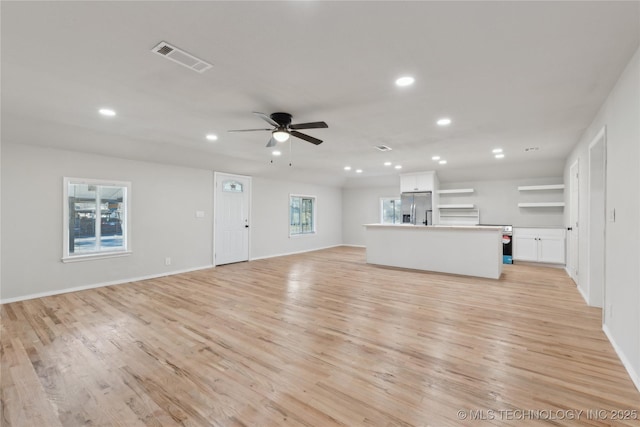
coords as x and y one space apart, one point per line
126 231
382 200
314 215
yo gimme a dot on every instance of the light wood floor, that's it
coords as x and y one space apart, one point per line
318 339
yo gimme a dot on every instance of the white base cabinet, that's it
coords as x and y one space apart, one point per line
539 245
470 251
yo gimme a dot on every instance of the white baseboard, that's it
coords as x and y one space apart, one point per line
294 253
99 285
354 246
623 358
538 264
136 279
585 297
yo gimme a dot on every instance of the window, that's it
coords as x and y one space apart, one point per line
96 219
231 186
390 210
302 215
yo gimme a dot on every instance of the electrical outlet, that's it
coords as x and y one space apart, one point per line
610 311
199 214
167 261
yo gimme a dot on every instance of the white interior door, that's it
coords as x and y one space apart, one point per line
596 239
231 220
574 213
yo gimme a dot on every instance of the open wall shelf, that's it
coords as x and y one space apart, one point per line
542 205
541 187
457 206
548 187
457 191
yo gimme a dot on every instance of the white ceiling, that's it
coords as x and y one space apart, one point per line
509 74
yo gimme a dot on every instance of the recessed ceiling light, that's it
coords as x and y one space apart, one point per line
347 168
358 170
276 153
212 137
443 162
497 150
387 163
445 121
435 158
499 156
405 81
398 166
107 112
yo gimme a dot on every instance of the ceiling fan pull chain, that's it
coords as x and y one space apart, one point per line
290 155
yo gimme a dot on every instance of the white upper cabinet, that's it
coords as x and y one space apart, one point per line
419 181
408 183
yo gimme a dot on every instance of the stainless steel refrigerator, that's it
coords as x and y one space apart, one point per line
417 208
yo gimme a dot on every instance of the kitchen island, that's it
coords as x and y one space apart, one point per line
465 250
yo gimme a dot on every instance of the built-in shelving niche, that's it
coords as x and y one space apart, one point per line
458 213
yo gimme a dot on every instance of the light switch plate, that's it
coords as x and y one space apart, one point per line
611 215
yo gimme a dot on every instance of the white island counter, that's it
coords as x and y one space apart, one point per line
466 250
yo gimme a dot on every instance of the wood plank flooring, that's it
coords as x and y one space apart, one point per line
318 339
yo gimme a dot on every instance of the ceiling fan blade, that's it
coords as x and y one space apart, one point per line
266 118
272 142
310 125
306 137
245 130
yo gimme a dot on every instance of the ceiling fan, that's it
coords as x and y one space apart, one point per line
282 128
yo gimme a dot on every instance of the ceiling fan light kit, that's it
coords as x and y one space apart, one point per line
282 128
280 135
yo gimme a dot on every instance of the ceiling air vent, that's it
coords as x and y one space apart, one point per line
383 148
181 57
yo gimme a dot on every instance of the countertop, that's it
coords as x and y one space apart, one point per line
436 227
540 226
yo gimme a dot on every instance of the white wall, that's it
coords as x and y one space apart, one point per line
0 219
164 201
621 115
362 206
270 217
497 201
